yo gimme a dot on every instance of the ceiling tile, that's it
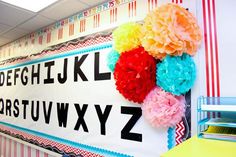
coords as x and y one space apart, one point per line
3 27
11 15
15 33
64 9
4 40
93 3
36 22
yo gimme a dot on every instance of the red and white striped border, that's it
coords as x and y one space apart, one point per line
113 15
177 1
45 142
82 25
96 21
180 131
211 50
67 47
132 9
152 4
10 147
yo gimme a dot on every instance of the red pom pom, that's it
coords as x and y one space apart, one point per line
135 74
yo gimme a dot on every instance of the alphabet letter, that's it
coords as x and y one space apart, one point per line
125 132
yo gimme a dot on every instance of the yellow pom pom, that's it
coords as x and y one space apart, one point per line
127 37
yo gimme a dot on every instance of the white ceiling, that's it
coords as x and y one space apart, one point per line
16 22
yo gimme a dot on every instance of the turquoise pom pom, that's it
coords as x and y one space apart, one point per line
176 74
112 58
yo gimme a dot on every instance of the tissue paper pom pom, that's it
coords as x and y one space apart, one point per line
170 29
135 74
126 37
112 58
176 74
162 109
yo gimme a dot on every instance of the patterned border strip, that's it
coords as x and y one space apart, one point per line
15 146
211 51
63 47
171 138
42 142
47 58
180 131
69 147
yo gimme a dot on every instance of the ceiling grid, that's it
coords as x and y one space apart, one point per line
17 22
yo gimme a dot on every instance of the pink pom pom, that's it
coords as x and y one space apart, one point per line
162 109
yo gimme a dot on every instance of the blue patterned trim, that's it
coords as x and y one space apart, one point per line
171 138
106 153
67 54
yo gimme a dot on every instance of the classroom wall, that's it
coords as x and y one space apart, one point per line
215 60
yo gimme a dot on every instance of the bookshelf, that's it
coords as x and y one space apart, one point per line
217 118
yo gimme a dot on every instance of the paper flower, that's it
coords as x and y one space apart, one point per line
176 74
135 74
112 58
126 37
162 109
170 29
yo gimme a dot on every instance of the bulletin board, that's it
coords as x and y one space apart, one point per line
68 103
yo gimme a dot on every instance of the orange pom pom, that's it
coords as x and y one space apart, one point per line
170 29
